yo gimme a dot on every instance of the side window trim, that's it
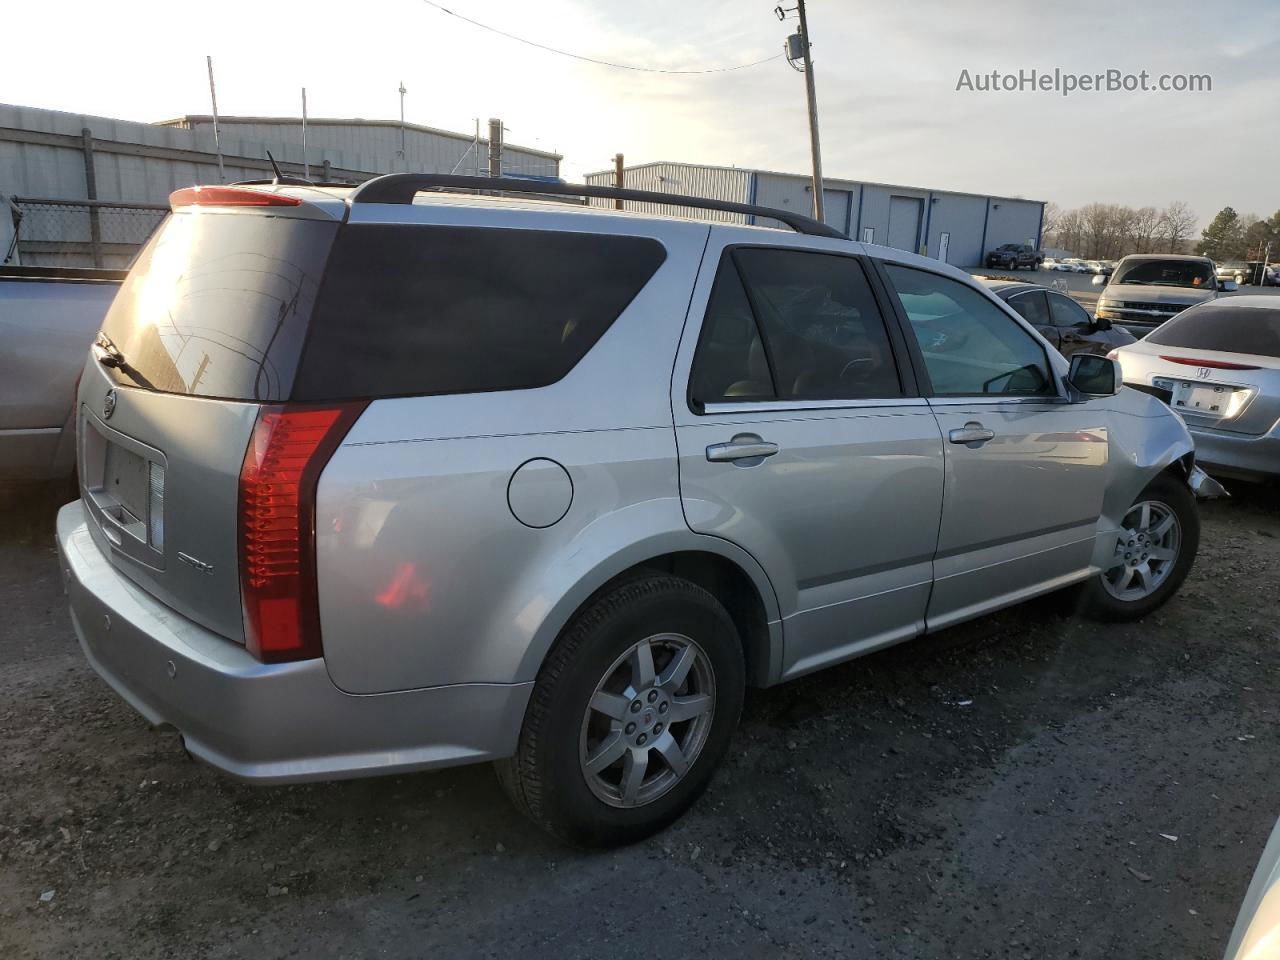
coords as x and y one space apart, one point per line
900 346
917 356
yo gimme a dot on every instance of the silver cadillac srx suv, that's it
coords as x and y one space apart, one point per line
392 478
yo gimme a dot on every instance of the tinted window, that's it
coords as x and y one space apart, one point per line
217 304
411 310
1253 330
1031 305
970 345
1066 312
823 333
1166 273
730 364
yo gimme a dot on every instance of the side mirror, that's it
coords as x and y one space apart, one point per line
1230 286
1099 280
1101 323
1094 376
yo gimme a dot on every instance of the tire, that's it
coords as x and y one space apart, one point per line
595 657
1108 603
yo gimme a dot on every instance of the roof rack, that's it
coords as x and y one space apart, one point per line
401 188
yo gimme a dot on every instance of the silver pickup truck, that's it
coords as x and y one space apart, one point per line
48 318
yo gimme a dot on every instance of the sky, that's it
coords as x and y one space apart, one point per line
886 71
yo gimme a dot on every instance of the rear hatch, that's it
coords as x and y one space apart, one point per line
208 327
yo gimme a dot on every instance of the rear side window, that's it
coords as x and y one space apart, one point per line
1254 330
412 310
1031 306
792 325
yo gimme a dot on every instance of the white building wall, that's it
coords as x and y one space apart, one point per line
976 223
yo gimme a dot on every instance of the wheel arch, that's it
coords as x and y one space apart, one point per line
723 569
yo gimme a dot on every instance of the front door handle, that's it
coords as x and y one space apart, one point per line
971 432
745 446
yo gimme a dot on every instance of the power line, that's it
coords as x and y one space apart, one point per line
598 62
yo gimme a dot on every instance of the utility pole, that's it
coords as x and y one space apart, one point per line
619 176
495 147
798 48
306 167
217 140
403 158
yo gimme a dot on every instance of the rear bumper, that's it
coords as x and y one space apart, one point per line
269 723
1220 451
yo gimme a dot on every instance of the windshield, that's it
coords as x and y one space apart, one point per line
1167 273
1254 330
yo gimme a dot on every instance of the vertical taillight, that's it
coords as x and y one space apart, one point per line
287 452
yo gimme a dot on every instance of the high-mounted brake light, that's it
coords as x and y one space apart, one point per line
287 452
228 197
1212 364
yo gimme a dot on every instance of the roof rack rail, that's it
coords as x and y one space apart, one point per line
401 188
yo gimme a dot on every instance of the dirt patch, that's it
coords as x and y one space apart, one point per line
997 790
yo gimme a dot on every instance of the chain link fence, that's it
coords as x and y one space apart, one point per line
80 233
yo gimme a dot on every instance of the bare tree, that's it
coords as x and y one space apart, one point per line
1052 214
1176 224
1146 223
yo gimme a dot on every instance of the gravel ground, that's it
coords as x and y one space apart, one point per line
997 790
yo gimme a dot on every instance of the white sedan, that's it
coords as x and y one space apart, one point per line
1217 364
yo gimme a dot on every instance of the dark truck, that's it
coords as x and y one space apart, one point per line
1011 256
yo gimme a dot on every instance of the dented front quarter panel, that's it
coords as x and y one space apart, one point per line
1146 438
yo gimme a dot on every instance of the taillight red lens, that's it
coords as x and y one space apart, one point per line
287 452
1212 364
228 197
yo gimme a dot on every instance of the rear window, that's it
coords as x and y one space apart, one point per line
411 310
249 307
217 304
1253 330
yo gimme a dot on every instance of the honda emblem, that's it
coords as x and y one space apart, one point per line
1203 372
108 405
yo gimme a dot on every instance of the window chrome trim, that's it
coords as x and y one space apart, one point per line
1055 399
800 406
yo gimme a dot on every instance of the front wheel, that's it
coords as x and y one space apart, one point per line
1159 536
632 712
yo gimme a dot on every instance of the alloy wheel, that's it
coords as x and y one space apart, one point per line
1146 551
647 720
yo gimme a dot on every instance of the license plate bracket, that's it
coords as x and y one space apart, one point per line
1198 399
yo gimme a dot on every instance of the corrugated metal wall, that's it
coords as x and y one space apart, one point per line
55 167
855 207
712 183
374 145
45 155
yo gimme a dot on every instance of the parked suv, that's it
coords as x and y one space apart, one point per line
376 480
1011 256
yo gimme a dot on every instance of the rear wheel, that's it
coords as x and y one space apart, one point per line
1159 536
632 712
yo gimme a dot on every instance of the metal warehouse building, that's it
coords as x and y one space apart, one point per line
956 227
81 191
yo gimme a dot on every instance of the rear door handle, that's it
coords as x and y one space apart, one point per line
971 432
745 446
